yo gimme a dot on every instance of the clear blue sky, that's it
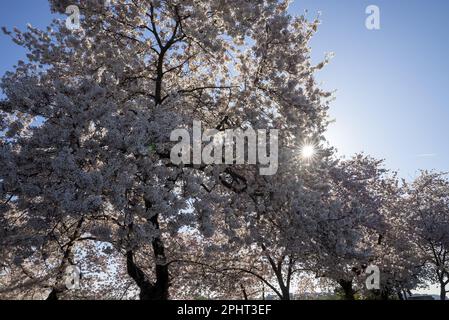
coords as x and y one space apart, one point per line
392 84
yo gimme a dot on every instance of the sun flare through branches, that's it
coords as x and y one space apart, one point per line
308 151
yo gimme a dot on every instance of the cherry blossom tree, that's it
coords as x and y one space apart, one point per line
428 224
87 120
87 177
397 255
345 223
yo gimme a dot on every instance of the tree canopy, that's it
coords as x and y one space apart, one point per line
86 177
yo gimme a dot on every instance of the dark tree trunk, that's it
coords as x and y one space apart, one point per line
162 275
245 295
348 291
53 296
284 293
442 291
149 290
286 296
67 260
138 276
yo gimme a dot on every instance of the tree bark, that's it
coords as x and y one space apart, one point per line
285 295
162 274
348 291
245 295
442 291
157 290
138 276
67 260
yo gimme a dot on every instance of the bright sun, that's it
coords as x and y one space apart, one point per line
308 151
